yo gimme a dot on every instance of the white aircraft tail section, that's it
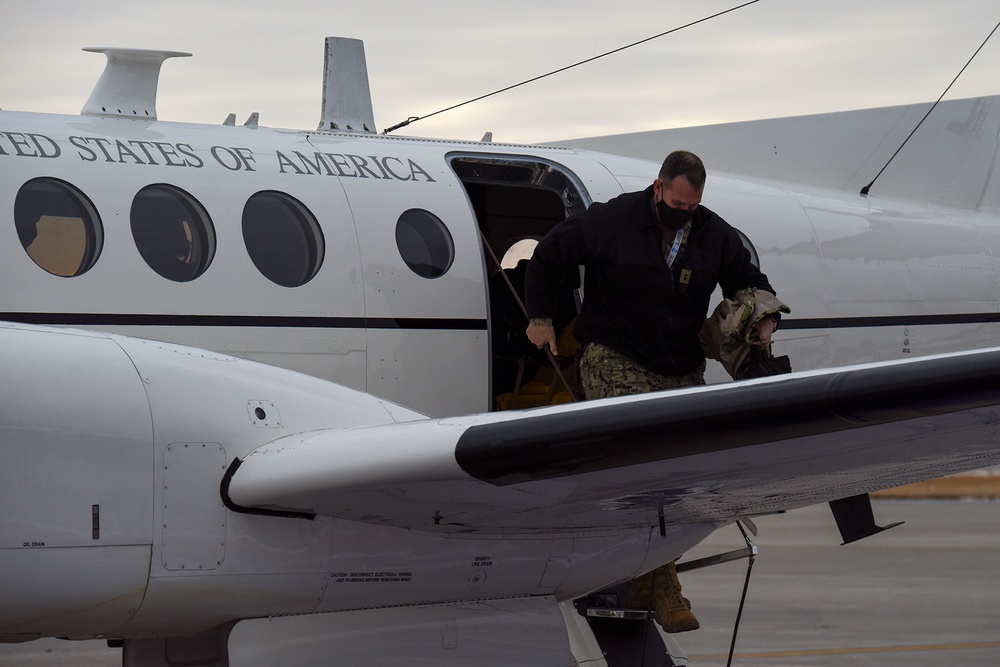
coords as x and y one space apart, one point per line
949 161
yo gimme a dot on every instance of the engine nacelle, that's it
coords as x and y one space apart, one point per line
76 462
111 454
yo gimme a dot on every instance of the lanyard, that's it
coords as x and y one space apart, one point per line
679 240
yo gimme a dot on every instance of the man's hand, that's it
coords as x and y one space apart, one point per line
541 335
765 327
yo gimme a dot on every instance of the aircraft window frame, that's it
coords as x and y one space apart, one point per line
184 264
424 243
55 248
271 246
748 244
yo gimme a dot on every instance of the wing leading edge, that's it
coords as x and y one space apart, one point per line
709 454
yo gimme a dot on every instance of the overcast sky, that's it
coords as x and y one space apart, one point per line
771 58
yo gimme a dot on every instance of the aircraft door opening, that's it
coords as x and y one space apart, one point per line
516 201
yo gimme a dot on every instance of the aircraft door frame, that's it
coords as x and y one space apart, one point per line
516 199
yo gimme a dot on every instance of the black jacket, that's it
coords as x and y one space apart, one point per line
633 302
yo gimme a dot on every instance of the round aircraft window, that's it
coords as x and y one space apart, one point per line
58 226
283 238
172 232
424 243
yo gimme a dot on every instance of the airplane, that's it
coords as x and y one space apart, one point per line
251 375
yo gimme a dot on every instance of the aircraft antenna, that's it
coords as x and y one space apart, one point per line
865 190
127 87
413 119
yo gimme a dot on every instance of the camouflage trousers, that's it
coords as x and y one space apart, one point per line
605 373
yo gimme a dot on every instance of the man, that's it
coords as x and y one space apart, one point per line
652 261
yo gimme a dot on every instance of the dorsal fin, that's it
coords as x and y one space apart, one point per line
127 88
347 97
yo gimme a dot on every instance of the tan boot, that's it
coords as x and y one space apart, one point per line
640 592
673 611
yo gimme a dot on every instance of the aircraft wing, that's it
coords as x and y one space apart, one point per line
709 454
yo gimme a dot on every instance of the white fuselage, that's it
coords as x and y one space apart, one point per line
398 310
867 279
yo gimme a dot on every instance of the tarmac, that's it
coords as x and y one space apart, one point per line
923 594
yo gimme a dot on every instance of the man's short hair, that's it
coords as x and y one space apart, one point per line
683 163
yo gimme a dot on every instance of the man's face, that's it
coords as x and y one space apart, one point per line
678 193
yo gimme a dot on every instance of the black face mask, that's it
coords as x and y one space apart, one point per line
673 218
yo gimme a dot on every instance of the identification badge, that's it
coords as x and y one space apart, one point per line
685 276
